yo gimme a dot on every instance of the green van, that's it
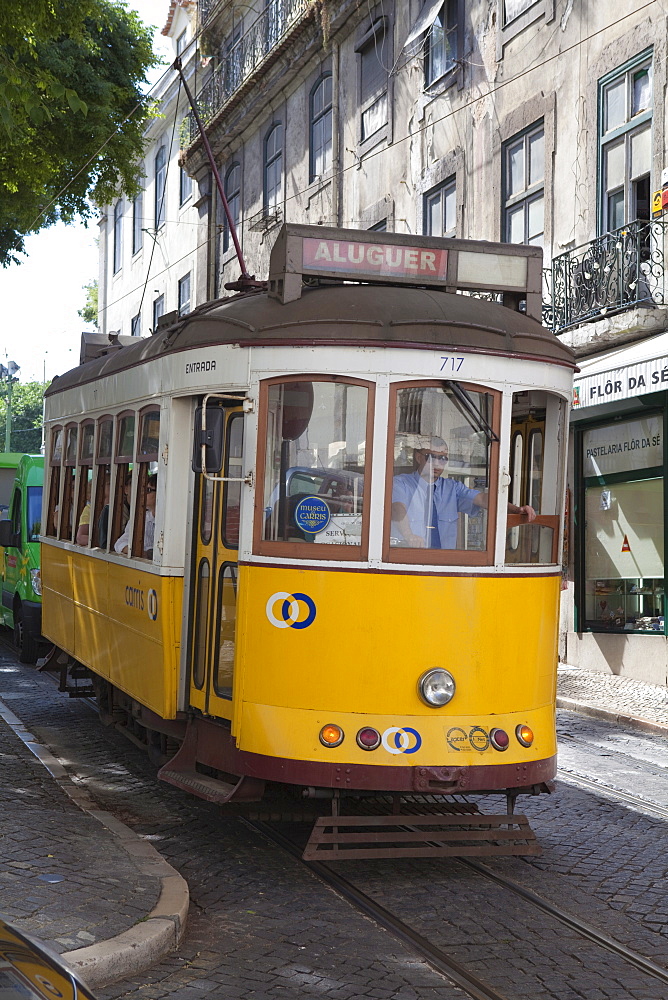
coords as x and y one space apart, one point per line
21 480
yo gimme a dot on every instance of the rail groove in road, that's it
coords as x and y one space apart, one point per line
439 960
602 749
586 930
614 793
429 952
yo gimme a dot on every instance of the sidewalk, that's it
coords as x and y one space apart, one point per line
74 876
619 699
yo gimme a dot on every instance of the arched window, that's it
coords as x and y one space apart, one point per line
321 127
160 179
233 195
273 168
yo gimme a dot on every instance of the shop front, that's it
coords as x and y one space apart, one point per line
617 620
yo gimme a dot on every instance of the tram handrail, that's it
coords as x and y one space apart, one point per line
248 407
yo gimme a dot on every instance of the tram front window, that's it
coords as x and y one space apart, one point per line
442 468
315 462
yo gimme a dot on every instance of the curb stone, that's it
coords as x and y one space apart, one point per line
645 725
160 932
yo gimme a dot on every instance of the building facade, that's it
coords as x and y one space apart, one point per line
529 121
148 244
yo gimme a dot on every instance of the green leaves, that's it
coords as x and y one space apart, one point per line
72 113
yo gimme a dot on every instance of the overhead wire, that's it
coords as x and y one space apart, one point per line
162 198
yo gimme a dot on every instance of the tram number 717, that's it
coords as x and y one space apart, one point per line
454 364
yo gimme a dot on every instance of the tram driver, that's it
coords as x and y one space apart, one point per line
426 504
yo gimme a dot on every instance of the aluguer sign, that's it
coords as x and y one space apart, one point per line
621 383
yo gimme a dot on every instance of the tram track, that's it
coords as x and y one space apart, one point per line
609 786
434 956
431 953
614 793
437 957
601 749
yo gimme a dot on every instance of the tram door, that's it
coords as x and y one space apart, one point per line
215 579
526 459
527 436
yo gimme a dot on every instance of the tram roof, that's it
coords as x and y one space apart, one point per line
345 315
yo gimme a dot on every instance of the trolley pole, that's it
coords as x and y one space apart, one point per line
246 281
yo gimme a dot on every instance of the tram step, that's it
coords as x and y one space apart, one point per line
212 789
343 838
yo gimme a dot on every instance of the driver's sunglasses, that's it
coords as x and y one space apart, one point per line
438 456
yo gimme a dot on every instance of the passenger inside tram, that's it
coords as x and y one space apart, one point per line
102 526
121 545
83 527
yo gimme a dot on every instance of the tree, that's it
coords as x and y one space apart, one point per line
71 112
27 408
89 311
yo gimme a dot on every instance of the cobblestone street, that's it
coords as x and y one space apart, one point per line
262 926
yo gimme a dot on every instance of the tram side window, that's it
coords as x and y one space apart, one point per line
55 459
120 522
85 481
143 535
314 477
536 450
441 479
66 519
100 521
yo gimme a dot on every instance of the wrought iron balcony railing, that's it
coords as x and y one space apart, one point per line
616 271
242 58
205 9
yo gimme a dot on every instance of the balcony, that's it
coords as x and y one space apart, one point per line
617 271
242 59
205 9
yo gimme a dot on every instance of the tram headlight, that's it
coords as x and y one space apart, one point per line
524 735
331 735
436 687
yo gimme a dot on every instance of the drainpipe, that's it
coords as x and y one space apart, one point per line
337 179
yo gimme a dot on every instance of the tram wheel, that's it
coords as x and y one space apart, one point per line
25 640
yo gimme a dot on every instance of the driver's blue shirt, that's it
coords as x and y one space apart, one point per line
449 496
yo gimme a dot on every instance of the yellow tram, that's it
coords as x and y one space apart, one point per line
311 534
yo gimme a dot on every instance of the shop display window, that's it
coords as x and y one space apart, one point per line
623 526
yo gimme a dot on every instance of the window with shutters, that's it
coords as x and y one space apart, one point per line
137 223
273 169
160 176
440 209
233 195
321 127
440 44
524 187
118 235
375 61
